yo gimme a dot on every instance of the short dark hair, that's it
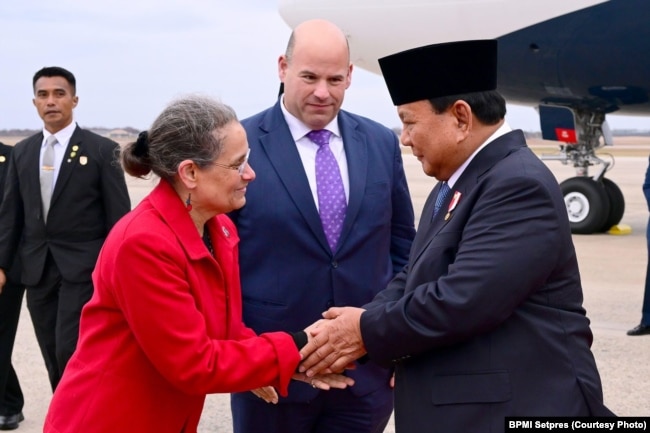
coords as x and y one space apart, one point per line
489 107
56 71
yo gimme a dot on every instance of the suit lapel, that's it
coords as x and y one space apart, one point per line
428 226
5 150
489 156
283 155
33 161
68 163
356 153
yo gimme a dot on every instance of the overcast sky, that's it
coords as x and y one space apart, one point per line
131 57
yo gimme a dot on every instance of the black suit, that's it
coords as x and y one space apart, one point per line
58 257
11 298
486 321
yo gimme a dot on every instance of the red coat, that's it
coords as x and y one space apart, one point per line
164 328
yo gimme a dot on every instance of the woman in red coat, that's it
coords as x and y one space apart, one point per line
164 326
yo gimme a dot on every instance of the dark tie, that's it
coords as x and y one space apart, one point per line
443 192
331 196
47 174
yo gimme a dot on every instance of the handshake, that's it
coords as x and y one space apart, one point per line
333 344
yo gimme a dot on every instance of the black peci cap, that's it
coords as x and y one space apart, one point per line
438 70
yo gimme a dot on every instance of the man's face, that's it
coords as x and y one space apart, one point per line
432 137
54 99
314 83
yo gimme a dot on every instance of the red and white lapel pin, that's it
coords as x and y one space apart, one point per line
452 205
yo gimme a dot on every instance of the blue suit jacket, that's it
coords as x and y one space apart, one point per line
289 275
486 321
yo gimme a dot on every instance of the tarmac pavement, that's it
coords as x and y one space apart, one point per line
612 269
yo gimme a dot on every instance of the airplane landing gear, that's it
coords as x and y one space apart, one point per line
594 203
586 203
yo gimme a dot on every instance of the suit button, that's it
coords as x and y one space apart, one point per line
335 264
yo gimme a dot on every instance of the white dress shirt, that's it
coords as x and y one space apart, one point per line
307 150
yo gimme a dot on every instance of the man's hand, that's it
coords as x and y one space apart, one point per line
310 329
334 344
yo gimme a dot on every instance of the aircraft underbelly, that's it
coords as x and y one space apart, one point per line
380 27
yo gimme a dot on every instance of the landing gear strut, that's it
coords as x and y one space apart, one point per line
594 203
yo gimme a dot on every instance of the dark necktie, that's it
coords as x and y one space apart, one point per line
47 174
331 196
443 192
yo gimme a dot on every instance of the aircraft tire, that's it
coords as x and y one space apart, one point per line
616 204
587 204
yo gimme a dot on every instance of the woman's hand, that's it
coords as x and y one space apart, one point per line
325 381
266 393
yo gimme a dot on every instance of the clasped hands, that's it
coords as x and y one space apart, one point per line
333 344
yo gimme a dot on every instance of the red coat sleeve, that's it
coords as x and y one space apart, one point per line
158 289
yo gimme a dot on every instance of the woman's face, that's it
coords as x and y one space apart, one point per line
222 185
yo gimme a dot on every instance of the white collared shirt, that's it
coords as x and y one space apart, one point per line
503 129
62 138
307 150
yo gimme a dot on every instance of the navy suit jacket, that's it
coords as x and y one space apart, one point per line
289 275
486 320
89 196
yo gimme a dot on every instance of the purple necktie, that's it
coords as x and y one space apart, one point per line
331 196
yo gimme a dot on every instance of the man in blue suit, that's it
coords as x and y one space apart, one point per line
643 328
486 320
293 265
